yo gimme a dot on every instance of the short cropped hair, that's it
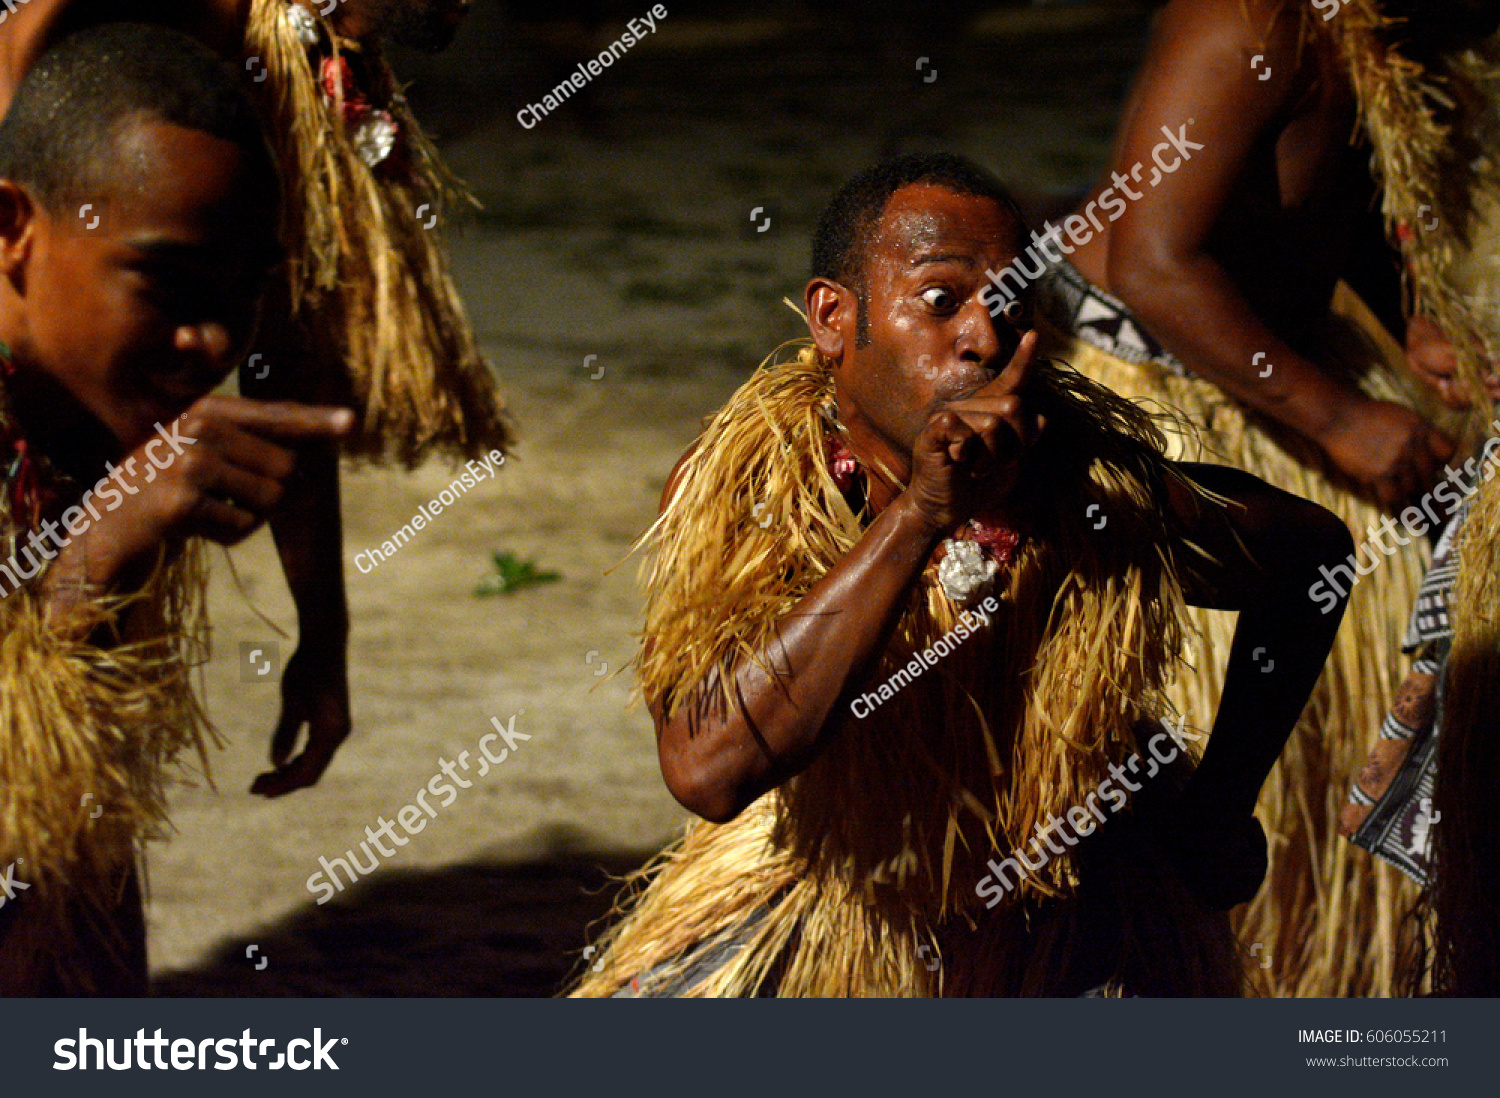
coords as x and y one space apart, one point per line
58 138
841 242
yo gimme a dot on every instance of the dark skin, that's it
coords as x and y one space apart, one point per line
1238 252
939 397
1435 360
306 525
114 330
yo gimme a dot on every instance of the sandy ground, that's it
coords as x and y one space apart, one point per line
619 228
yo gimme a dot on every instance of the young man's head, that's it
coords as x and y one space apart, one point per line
421 24
897 300
138 223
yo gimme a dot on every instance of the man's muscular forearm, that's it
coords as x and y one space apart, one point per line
717 760
308 529
1245 562
1197 312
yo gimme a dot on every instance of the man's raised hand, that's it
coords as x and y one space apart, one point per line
224 476
240 476
968 456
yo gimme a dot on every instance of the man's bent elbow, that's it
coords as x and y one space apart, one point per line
1322 537
695 785
1321 561
1138 277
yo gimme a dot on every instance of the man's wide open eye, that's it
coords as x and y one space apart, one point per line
939 298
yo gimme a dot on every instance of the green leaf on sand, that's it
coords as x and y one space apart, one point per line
513 574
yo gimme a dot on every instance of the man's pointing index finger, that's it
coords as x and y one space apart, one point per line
291 421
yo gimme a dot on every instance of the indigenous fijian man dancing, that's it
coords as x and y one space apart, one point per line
366 315
111 328
1237 281
902 796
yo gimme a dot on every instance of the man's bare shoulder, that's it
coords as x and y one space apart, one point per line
1237 29
1243 62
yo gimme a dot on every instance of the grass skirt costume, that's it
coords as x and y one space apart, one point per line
1466 844
91 730
1438 809
858 877
1453 274
371 304
1331 919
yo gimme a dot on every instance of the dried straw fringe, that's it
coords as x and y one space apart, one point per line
1425 129
369 286
1329 916
1433 135
858 861
97 724
1466 892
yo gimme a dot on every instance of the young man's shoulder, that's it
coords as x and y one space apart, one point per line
27 32
24 34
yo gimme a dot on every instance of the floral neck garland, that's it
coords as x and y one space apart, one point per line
373 131
977 553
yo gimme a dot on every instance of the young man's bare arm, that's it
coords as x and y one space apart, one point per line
1198 75
717 761
239 450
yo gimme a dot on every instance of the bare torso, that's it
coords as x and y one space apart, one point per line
1294 211
1232 255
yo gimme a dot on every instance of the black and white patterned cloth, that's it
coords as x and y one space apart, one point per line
1429 619
1399 826
1077 306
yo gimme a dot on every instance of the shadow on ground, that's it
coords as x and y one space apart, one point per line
484 929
